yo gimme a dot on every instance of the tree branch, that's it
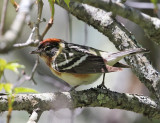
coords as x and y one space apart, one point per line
121 38
10 37
88 98
150 25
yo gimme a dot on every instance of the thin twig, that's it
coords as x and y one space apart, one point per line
10 100
40 8
3 16
24 77
29 42
49 25
9 116
50 22
33 43
39 13
34 69
16 5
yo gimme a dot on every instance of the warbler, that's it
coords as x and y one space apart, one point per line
77 64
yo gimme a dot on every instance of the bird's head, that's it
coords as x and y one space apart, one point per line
47 48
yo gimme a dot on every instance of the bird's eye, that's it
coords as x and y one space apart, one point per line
48 48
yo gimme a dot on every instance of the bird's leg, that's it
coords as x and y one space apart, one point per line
102 85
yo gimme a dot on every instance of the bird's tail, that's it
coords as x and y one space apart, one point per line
137 50
115 57
129 52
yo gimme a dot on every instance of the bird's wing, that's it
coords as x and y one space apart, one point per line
82 65
80 60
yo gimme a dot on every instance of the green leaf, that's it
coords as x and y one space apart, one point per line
58 1
24 90
51 3
67 2
14 67
10 65
1 73
2 64
1 86
8 87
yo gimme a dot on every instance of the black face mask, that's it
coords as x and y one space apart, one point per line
50 49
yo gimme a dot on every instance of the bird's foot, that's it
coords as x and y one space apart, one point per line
102 86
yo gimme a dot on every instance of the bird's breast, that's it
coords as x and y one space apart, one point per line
74 79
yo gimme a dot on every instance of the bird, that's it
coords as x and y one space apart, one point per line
80 65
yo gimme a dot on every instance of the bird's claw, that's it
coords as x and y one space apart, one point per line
102 86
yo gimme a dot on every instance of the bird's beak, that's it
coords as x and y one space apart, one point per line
35 52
